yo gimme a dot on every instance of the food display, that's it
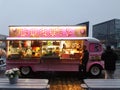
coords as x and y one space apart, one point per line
30 48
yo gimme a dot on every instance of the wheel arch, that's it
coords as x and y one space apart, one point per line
95 64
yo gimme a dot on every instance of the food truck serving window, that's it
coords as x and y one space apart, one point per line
38 48
25 48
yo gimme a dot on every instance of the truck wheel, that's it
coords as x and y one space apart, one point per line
25 70
95 70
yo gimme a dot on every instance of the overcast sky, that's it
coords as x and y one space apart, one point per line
56 12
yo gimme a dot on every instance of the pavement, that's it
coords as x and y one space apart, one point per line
117 72
2 75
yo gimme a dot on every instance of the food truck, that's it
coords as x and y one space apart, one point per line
52 48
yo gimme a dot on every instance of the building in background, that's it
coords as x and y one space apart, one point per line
108 32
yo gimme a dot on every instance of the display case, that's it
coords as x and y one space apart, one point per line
72 49
24 49
50 48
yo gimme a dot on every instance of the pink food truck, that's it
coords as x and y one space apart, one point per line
52 48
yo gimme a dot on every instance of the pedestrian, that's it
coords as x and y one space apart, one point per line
109 56
85 60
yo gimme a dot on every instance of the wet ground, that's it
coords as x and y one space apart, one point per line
59 81
64 81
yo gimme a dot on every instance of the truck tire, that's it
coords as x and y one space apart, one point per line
95 70
25 70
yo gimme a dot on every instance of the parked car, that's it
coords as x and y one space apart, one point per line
2 63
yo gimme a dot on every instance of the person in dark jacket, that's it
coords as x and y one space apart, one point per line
109 57
85 60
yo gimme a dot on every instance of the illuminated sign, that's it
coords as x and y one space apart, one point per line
48 31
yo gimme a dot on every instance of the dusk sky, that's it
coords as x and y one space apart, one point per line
56 12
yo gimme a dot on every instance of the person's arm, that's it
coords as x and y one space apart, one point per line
116 56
